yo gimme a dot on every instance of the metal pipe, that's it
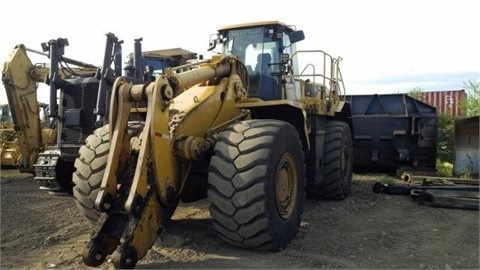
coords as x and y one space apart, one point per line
138 59
192 77
65 59
56 50
101 106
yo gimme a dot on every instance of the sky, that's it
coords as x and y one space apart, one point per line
386 46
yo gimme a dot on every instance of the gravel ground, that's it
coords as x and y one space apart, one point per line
367 231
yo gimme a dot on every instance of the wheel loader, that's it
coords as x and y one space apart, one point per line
79 95
254 138
11 154
9 149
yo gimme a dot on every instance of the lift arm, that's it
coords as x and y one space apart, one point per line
136 209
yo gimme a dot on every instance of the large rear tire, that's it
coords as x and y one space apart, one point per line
338 164
257 184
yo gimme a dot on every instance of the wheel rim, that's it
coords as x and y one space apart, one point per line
94 256
125 258
286 186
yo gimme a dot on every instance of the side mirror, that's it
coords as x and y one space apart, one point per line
296 36
284 66
212 45
213 42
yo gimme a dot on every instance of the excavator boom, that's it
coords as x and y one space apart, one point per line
20 78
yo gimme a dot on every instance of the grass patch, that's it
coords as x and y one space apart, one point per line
444 169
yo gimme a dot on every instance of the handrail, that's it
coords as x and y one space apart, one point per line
332 78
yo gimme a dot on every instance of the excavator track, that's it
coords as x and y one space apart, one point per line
53 173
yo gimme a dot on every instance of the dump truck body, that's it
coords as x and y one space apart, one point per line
393 131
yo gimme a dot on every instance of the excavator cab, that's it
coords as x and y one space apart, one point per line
155 62
265 50
160 60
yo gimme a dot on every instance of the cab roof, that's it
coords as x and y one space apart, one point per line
173 52
289 28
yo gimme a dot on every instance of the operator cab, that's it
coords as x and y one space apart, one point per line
151 64
265 48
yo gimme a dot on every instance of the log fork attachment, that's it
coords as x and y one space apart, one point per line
134 207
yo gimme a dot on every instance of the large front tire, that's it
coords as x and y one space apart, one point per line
338 164
257 184
90 168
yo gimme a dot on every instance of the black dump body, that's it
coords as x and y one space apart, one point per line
79 97
393 131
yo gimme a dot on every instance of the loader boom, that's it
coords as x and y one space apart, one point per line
139 206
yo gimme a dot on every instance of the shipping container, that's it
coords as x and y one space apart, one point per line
446 101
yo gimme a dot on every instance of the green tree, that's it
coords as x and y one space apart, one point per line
445 138
471 104
416 92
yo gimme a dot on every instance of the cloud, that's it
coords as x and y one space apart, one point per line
425 77
402 83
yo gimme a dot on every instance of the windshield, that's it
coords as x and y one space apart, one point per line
259 49
254 47
158 64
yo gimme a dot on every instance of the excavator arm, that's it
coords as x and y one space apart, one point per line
20 78
183 112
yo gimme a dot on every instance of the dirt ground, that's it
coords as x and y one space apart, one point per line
367 231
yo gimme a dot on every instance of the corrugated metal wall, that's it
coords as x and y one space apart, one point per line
446 101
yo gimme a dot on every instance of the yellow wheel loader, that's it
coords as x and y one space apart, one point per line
9 149
249 129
